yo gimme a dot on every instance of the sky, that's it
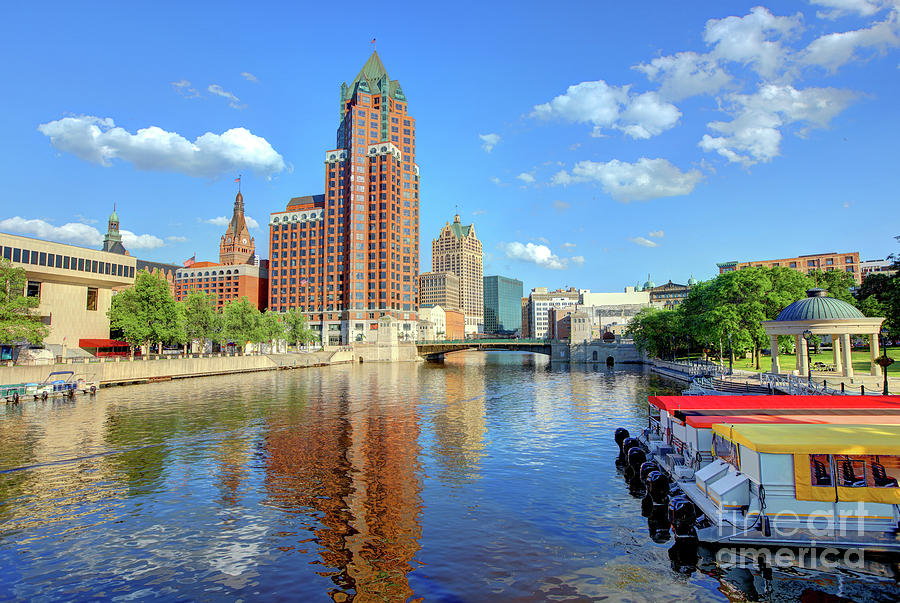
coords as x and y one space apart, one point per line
591 144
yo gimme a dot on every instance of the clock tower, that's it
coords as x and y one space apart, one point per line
237 245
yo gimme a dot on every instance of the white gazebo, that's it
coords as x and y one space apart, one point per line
823 316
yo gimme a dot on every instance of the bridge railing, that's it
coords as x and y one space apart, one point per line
481 341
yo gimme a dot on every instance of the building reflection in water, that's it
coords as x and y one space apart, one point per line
349 463
459 423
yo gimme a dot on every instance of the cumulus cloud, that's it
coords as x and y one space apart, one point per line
754 40
251 223
99 140
840 8
685 74
224 221
489 141
833 50
249 77
643 242
754 134
540 255
656 234
184 88
233 101
640 181
611 107
526 178
75 233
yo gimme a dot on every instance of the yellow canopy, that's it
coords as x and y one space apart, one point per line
814 439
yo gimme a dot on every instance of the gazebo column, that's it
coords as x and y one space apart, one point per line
801 352
836 352
797 352
873 346
845 353
773 342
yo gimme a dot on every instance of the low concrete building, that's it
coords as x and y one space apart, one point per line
437 316
74 284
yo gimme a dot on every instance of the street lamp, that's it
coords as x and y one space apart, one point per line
807 335
884 361
730 356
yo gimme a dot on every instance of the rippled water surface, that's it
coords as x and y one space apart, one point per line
487 478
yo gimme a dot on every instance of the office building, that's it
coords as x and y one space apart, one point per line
826 262
868 267
539 303
502 305
351 255
458 250
439 289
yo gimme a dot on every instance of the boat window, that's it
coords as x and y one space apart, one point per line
820 470
867 470
726 450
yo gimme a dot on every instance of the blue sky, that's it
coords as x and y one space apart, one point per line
591 144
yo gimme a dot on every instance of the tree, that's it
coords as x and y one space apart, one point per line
17 322
296 327
240 322
838 284
201 322
270 327
146 313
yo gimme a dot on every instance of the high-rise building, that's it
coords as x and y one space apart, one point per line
458 250
351 255
502 304
439 289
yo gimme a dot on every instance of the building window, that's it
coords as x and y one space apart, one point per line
33 289
92 298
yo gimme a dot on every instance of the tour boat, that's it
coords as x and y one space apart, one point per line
823 485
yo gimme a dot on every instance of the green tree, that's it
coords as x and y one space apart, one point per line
17 322
271 328
146 313
201 321
240 322
296 328
838 284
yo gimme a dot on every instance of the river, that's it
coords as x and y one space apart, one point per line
489 477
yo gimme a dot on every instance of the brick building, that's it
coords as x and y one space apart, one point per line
458 250
351 255
826 262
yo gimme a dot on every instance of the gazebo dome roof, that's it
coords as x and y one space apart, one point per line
817 306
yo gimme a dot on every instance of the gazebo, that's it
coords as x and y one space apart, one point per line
824 316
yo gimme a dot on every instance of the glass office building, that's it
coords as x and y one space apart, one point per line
502 304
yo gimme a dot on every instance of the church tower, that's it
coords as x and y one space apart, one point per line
237 245
112 240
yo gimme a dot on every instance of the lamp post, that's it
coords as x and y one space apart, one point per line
807 335
730 356
884 361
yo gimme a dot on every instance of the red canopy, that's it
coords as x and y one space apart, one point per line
872 418
731 403
101 343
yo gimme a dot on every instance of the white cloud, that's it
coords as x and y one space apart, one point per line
578 260
540 255
646 179
233 101
489 141
99 140
754 134
75 233
183 87
605 106
685 74
543 240
85 219
560 206
568 245
754 39
251 223
249 77
496 180
643 242
656 234
217 221
840 8
478 212
831 51
526 178
175 239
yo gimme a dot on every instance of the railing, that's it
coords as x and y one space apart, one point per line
482 341
694 368
801 386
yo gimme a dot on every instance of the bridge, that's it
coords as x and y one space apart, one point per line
435 350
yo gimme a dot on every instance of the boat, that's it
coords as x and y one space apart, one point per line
57 383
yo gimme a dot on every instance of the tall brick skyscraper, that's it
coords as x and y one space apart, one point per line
351 256
458 250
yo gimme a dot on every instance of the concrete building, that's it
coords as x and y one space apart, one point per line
236 275
502 304
458 250
540 300
350 256
74 284
868 267
826 262
437 317
614 308
439 289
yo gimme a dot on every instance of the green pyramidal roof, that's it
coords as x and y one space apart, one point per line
372 71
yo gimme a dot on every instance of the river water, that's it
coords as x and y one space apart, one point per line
490 477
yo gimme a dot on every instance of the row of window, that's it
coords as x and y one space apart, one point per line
66 262
33 289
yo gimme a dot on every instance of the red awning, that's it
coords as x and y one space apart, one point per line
101 343
735 403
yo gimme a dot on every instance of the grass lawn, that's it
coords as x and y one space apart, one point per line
861 361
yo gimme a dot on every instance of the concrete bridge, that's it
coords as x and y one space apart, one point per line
435 350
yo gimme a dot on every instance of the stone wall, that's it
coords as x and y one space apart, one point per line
595 352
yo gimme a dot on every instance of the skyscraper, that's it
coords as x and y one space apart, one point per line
502 304
351 255
458 250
